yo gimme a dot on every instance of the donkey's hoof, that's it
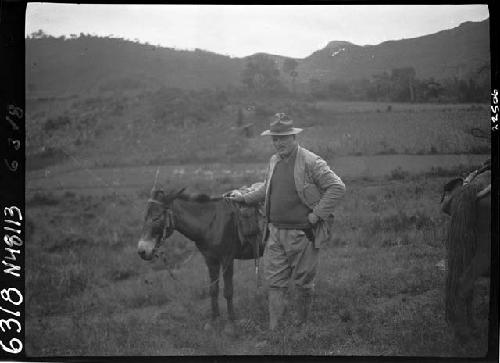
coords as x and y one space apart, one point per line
229 329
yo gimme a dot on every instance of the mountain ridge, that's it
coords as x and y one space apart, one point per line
88 64
447 53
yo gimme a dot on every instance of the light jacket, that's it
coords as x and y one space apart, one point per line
318 187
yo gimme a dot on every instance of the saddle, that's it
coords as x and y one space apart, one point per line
250 223
480 176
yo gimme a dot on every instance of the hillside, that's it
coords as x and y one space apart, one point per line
449 53
88 65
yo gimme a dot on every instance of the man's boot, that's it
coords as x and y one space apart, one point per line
303 306
277 305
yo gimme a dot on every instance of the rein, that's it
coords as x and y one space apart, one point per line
169 222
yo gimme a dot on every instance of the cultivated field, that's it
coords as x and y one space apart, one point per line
98 135
380 289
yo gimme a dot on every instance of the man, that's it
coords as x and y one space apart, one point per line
300 193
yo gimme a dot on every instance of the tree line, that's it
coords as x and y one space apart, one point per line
263 75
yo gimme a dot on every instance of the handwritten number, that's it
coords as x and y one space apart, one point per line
12 123
6 295
13 240
494 110
15 142
16 111
12 166
14 346
12 349
11 211
7 324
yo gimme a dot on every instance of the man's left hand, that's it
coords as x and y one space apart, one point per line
313 218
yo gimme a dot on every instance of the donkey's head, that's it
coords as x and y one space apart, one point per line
159 222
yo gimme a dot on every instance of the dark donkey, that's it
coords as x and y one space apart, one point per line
468 245
210 223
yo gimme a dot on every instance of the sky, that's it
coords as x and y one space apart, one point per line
241 30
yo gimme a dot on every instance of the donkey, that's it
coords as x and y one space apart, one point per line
210 222
468 244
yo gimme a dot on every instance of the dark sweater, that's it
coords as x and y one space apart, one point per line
286 210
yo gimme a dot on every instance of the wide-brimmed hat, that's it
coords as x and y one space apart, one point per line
281 124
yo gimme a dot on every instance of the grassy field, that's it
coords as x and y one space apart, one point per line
380 290
203 177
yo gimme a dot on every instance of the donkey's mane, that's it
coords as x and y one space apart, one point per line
199 197
190 197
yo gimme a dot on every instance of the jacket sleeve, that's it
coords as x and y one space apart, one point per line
333 187
258 195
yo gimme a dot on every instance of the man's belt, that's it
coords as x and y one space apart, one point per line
309 234
308 231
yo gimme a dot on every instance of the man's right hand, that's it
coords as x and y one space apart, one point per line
236 197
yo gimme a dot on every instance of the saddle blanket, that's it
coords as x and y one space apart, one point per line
250 221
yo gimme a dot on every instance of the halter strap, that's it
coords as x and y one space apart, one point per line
154 201
170 217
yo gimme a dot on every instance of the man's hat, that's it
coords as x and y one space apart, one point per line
281 124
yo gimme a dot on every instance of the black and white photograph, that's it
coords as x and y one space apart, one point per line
257 180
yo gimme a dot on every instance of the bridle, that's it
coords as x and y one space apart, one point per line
168 215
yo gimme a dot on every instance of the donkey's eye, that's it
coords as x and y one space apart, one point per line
156 218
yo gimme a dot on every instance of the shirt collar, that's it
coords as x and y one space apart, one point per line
290 156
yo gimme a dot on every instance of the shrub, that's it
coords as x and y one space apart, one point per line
57 123
41 199
48 156
450 172
69 195
480 149
398 174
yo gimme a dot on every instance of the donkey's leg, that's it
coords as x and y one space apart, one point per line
228 288
470 313
478 267
228 295
463 302
213 270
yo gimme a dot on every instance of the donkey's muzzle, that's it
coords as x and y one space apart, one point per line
145 249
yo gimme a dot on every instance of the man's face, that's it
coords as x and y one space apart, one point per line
284 144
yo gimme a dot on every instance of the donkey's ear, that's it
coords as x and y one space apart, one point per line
180 191
157 193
